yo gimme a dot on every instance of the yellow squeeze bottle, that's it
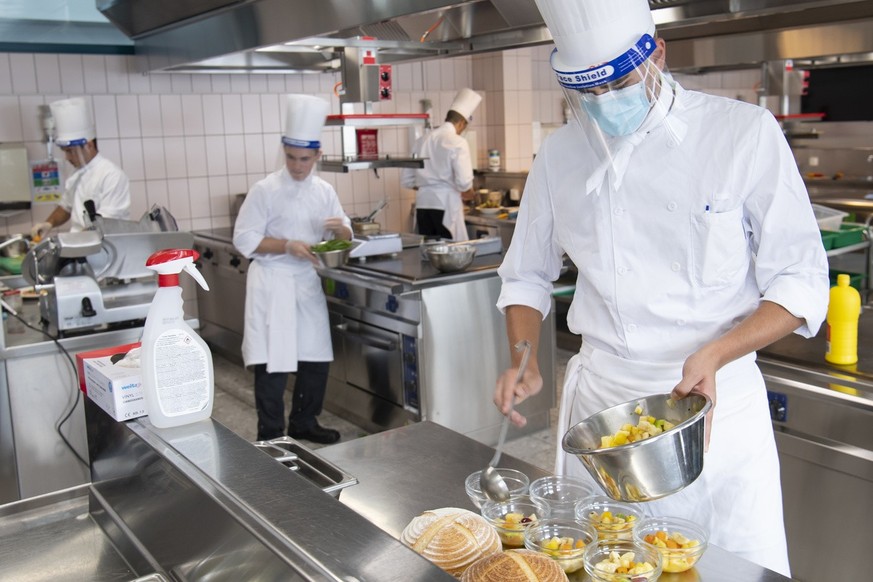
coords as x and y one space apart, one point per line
844 308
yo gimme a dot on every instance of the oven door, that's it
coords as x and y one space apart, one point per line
372 358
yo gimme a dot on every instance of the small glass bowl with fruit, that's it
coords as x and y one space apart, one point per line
680 542
512 517
621 561
613 520
562 540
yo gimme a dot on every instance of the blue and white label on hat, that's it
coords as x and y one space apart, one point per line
301 143
71 143
611 71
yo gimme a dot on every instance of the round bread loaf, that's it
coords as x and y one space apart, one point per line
515 566
450 537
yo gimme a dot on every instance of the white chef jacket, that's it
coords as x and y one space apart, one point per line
286 312
101 181
707 222
447 171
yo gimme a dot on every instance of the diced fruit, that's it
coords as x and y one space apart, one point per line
678 551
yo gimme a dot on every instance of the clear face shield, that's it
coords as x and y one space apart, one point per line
618 100
74 152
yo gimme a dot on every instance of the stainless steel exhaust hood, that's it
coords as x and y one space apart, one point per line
308 35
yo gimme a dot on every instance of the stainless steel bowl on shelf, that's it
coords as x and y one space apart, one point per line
647 469
451 258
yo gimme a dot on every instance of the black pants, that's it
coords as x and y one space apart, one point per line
309 388
430 222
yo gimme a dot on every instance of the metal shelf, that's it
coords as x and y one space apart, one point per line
376 120
348 164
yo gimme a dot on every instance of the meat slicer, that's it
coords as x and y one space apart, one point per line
97 277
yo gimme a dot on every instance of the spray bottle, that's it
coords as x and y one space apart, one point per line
844 309
177 375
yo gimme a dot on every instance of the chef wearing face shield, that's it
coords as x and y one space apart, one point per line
286 321
447 176
695 244
95 178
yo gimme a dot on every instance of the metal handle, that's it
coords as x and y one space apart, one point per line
522 345
368 340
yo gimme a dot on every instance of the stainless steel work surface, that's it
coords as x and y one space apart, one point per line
406 471
410 266
810 353
52 537
222 234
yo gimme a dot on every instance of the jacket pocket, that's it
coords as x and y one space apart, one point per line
719 250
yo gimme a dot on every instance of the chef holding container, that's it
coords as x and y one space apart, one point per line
696 245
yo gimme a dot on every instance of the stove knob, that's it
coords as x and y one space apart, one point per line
234 261
207 253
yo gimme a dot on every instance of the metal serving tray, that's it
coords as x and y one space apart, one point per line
297 457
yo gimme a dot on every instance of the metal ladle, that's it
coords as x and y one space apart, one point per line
490 481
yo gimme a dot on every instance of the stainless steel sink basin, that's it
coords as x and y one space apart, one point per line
297 457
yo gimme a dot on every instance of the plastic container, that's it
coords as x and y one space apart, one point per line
561 493
613 520
562 540
844 308
662 532
598 552
494 160
516 481
177 375
828 218
512 517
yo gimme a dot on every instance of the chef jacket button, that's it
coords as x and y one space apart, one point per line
672 206
675 266
680 322
632 327
618 211
621 270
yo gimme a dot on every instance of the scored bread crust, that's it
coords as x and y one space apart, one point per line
451 537
515 566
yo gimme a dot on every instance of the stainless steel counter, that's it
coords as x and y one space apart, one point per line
406 471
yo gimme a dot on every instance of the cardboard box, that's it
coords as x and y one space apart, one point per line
117 389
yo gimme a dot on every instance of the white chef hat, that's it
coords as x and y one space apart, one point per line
305 116
74 123
466 102
590 33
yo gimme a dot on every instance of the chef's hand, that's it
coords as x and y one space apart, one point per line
336 226
698 375
40 229
531 383
301 250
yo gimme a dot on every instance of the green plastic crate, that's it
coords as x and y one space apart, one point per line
827 239
848 235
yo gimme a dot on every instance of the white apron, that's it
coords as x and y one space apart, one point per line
738 497
453 217
286 317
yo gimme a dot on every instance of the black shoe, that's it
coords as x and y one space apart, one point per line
316 434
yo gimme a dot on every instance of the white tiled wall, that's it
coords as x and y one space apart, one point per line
190 142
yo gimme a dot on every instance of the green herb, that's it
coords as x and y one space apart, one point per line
331 245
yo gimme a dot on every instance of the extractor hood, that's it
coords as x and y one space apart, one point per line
308 35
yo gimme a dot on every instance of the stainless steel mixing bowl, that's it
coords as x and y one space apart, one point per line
647 469
451 258
334 259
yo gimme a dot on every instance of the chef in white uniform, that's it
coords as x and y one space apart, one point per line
95 178
447 176
286 322
695 244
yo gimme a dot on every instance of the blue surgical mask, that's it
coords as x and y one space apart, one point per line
620 111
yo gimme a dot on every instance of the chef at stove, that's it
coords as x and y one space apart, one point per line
286 322
447 176
95 178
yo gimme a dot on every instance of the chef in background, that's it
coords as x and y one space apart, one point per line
286 321
95 178
447 176
696 245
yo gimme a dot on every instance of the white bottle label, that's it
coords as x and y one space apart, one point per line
181 373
